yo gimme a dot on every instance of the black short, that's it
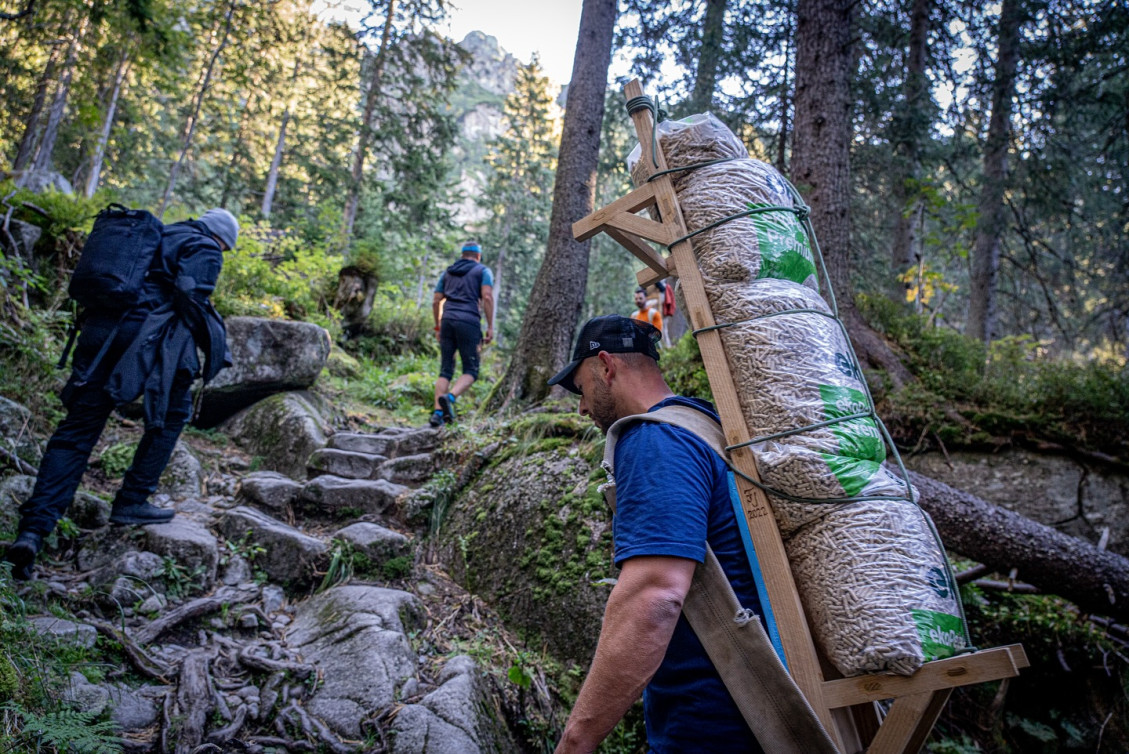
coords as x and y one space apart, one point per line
461 336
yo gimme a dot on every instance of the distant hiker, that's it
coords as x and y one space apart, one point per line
647 310
149 348
665 514
464 293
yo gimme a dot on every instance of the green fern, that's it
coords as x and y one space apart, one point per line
69 730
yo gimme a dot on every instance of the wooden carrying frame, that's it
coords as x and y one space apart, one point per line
845 705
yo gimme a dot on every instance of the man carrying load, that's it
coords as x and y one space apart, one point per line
464 292
664 518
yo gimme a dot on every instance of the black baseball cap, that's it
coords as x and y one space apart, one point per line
612 333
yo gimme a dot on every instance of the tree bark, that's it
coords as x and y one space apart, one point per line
821 156
26 149
558 292
373 94
107 126
46 146
911 126
709 56
279 146
981 322
189 128
1095 580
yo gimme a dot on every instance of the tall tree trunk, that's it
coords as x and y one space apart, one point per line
26 149
236 154
46 146
558 292
911 129
821 157
107 125
373 94
709 56
189 129
280 145
990 224
785 109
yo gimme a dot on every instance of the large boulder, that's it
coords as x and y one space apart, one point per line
284 554
532 536
269 356
281 432
462 716
356 635
40 181
15 432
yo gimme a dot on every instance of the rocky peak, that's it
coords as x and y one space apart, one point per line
490 66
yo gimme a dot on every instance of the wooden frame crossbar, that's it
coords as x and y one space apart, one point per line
844 705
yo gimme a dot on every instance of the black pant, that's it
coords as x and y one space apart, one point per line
88 408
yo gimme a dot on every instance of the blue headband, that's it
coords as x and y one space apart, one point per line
472 247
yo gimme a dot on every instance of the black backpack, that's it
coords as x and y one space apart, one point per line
116 259
112 268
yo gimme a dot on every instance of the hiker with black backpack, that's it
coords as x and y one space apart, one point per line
145 291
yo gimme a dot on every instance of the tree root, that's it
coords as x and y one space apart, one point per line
300 670
193 609
229 731
142 662
194 699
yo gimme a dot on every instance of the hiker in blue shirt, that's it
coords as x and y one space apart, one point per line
672 498
464 293
149 350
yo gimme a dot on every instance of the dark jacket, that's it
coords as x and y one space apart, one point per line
157 340
462 288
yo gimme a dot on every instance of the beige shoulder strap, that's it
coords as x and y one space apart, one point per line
770 701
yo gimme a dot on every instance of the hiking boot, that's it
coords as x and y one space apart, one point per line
21 554
139 513
447 406
436 418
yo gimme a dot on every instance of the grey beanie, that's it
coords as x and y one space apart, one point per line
222 224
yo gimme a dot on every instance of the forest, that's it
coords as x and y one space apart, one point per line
966 167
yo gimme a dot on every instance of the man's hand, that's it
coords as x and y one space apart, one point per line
642 612
489 336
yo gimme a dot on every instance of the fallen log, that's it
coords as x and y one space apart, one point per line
1095 580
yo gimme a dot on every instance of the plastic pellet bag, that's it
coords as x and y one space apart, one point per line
872 577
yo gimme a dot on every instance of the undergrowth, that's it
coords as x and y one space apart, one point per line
35 671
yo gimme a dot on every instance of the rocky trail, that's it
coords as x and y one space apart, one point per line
280 614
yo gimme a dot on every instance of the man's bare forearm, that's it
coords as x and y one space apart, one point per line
640 617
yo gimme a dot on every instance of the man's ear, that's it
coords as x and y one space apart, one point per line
609 364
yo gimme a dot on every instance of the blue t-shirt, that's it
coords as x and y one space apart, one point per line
672 496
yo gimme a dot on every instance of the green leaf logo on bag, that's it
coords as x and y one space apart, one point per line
941 634
861 450
783 244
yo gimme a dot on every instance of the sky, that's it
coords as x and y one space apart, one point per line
522 27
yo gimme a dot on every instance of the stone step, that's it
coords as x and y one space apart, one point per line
269 491
337 497
286 555
408 470
344 463
392 442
